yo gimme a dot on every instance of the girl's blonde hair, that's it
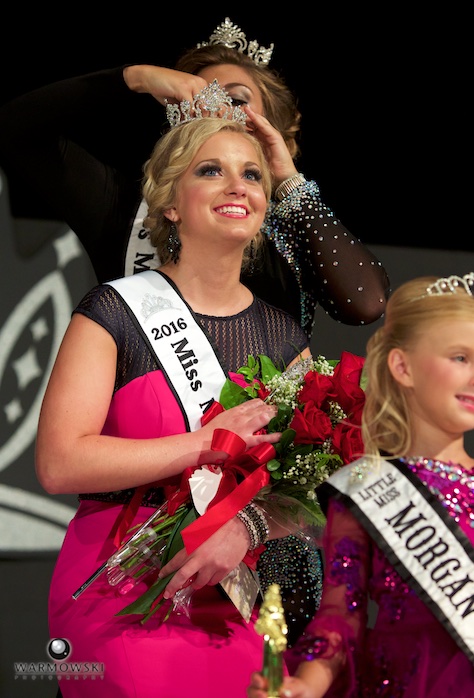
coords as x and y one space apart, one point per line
171 157
386 425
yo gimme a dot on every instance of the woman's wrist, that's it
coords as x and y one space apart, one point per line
255 522
288 185
134 77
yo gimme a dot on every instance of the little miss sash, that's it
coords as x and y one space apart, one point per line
424 544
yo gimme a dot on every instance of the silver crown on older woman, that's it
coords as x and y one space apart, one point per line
232 36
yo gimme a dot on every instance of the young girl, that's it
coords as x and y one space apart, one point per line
400 520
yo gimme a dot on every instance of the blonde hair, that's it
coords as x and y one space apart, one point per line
171 157
386 424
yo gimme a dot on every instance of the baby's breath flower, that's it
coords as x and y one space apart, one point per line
336 413
285 387
283 390
322 366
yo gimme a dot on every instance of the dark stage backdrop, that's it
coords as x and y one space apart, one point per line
382 93
373 90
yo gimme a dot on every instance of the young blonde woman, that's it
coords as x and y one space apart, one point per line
122 413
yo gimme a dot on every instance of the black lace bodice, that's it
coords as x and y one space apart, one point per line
260 329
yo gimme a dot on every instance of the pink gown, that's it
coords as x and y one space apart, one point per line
212 653
400 650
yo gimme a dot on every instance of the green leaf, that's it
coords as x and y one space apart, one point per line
175 541
285 442
273 464
232 395
252 363
280 421
304 449
251 370
267 368
363 378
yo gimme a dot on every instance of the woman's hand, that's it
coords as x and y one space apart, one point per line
277 154
164 84
211 561
245 420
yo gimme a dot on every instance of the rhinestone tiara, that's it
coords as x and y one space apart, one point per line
451 284
232 36
213 100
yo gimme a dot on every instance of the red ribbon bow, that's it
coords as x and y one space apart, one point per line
243 476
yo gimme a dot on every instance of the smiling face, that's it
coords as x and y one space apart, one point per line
220 197
437 371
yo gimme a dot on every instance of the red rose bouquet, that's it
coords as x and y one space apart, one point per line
319 413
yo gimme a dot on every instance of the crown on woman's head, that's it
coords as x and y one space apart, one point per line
213 100
451 284
232 36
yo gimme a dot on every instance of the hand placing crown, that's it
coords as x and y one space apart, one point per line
232 36
212 101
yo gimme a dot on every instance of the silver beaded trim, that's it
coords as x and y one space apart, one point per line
288 185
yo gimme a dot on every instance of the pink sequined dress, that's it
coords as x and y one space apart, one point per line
396 647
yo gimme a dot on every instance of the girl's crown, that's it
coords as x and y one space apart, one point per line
232 36
451 284
213 100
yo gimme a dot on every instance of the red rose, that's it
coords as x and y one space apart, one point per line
262 391
315 389
346 390
311 424
347 442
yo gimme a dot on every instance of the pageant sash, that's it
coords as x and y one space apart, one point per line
184 352
140 253
424 544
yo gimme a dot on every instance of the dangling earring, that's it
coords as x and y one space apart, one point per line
174 243
252 255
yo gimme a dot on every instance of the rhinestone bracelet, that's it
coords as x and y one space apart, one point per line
251 528
260 521
256 524
288 185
